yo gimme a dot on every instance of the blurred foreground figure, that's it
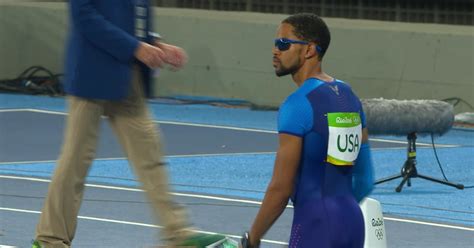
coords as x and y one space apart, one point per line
110 54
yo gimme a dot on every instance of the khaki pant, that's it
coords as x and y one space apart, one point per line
137 134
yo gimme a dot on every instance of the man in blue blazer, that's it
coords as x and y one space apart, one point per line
110 53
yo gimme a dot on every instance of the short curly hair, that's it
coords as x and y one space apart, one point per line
310 27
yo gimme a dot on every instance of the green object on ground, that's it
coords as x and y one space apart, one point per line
209 241
202 240
35 244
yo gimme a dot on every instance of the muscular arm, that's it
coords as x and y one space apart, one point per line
280 187
363 175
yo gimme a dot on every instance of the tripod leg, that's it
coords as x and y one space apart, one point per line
400 186
458 186
388 179
409 182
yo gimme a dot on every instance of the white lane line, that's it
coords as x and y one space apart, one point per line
220 154
170 156
404 142
51 161
418 147
232 200
33 110
134 224
161 122
429 224
220 198
15 110
217 126
140 190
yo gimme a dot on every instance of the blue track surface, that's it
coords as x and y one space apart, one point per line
246 176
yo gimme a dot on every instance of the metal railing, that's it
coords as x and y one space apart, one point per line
460 12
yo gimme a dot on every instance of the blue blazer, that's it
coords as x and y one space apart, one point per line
100 49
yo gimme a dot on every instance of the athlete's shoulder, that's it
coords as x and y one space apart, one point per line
295 115
343 83
297 102
293 98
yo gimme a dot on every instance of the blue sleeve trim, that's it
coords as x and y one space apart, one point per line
363 173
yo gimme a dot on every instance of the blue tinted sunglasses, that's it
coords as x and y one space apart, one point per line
284 44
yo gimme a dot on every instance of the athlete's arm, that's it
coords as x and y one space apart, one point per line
280 187
363 173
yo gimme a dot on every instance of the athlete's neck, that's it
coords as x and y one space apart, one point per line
311 71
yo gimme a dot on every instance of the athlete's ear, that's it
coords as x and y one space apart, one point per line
311 50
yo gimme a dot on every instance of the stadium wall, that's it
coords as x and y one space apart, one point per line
230 54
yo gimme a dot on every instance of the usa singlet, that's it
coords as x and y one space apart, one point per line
329 118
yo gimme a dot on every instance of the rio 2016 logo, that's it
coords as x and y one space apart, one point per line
379 233
378 224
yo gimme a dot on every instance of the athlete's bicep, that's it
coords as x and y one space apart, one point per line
286 163
363 172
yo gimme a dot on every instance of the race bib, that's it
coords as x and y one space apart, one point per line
345 134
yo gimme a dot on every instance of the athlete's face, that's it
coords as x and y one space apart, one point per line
290 60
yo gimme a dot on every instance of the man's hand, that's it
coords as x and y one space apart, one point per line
151 56
174 56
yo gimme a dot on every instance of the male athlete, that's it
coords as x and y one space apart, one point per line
323 161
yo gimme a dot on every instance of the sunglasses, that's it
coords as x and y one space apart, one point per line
284 44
